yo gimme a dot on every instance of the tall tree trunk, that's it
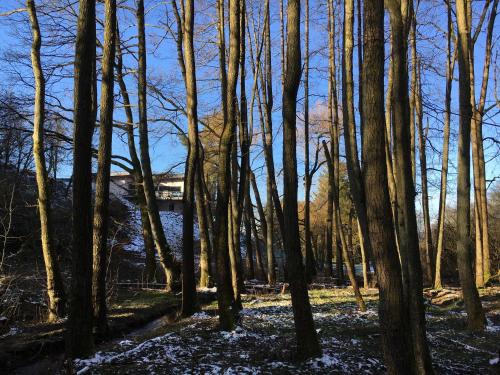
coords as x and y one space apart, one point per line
413 93
422 141
450 64
396 339
475 314
329 220
351 148
482 235
101 208
189 300
80 343
307 339
55 286
408 232
167 260
267 89
147 236
310 266
334 135
224 289
345 250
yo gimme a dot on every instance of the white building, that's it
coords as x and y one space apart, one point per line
169 189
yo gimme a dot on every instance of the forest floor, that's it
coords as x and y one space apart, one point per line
263 342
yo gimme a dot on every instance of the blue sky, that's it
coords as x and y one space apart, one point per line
167 151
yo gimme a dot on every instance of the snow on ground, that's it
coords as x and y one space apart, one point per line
263 342
171 221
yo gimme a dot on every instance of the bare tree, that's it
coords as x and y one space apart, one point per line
167 260
55 287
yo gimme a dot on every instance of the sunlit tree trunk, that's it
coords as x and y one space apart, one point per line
422 143
55 286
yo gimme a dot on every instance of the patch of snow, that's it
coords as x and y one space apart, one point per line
494 361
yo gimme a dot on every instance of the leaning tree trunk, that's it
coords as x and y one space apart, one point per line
396 340
167 260
307 340
55 286
147 235
267 89
475 314
80 343
101 208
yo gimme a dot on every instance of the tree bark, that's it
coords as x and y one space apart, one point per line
189 300
55 286
307 340
333 119
351 148
101 208
475 315
396 339
224 289
80 343
408 232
